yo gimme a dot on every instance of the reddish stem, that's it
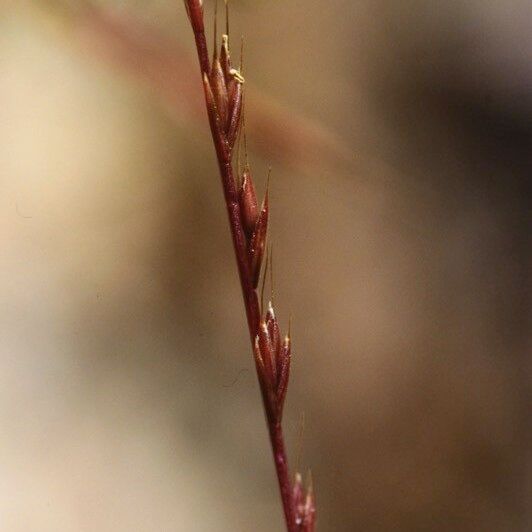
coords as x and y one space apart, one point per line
251 302
283 474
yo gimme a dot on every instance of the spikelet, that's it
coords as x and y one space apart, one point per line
225 58
219 89
274 367
273 328
248 202
284 371
257 243
214 117
268 355
195 14
235 94
225 83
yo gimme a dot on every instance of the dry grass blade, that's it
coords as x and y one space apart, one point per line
158 61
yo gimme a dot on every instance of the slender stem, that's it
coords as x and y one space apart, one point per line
283 475
249 294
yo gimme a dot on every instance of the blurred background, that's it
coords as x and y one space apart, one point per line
399 137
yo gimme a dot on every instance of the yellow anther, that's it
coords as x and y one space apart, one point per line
237 75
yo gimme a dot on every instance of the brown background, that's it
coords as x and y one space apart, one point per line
127 394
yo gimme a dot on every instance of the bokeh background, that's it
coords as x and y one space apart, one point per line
399 136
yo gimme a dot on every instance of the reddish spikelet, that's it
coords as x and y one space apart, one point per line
275 334
214 117
275 362
234 81
231 86
248 203
195 14
225 59
258 242
268 356
235 93
284 357
219 90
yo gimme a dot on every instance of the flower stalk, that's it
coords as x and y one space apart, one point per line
223 88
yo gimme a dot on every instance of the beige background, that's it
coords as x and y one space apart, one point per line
128 400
